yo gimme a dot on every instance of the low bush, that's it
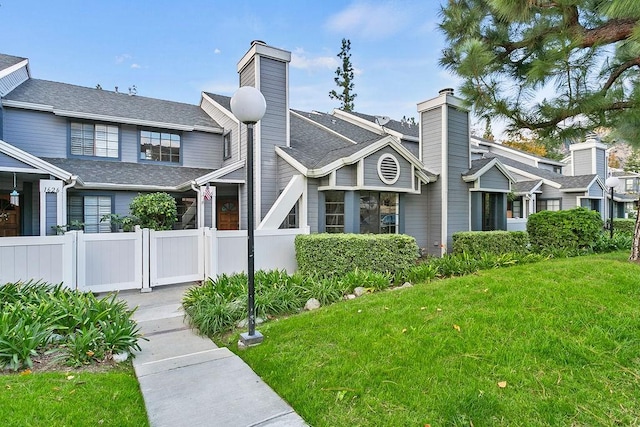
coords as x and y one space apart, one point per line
337 254
477 243
626 226
81 328
573 229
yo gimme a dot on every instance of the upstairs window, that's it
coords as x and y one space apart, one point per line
96 140
226 146
548 205
159 146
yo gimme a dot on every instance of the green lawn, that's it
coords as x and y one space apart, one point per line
53 399
552 343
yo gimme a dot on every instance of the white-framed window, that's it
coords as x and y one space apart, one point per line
334 211
160 146
628 184
548 205
94 139
89 210
226 145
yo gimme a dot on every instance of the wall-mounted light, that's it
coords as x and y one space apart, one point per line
14 196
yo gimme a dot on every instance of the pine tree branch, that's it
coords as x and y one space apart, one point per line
621 69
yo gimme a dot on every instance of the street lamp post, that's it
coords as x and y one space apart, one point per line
249 106
611 182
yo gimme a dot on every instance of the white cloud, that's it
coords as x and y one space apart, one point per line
300 59
217 51
136 66
370 20
121 58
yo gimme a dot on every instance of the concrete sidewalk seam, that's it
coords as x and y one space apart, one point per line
213 350
274 417
166 331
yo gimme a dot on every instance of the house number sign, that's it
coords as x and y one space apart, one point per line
51 189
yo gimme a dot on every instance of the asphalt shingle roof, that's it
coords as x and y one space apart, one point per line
567 182
123 173
579 181
7 61
403 127
476 166
80 99
225 101
525 186
348 130
312 145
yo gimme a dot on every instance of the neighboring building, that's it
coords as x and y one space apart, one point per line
80 153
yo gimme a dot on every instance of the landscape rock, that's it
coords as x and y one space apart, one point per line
350 296
359 291
312 304
245 322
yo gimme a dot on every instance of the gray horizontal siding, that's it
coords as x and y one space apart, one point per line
457 162
285 172
432 139
272 128
415 217
549 192
582 162
595 190
201 150
227 124
601 163
346 176
38 133
434 217
10 162
494 179
313 208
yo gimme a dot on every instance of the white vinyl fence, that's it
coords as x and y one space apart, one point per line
141 259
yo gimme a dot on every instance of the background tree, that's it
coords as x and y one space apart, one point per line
529 144
344 78
633 162
559 68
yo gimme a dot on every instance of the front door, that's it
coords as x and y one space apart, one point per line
227 217
9 217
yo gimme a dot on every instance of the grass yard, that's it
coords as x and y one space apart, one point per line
54 399
551 343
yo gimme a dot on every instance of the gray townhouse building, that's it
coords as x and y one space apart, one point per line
74 153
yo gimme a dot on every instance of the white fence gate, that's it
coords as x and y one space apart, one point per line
141 259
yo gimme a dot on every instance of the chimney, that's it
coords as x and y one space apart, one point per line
267 69
444 150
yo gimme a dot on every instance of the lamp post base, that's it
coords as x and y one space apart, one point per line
247 340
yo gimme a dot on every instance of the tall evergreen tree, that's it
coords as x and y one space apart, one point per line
344 78
559 68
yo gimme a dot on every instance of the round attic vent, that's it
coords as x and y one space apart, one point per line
388 169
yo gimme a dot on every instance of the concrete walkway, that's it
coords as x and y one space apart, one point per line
187 381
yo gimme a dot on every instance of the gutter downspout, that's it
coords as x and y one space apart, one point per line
199 207
74 180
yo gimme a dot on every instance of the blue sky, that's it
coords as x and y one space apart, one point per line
176 49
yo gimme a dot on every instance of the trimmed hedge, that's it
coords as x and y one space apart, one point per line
571 229
476 243
328 254
626 226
